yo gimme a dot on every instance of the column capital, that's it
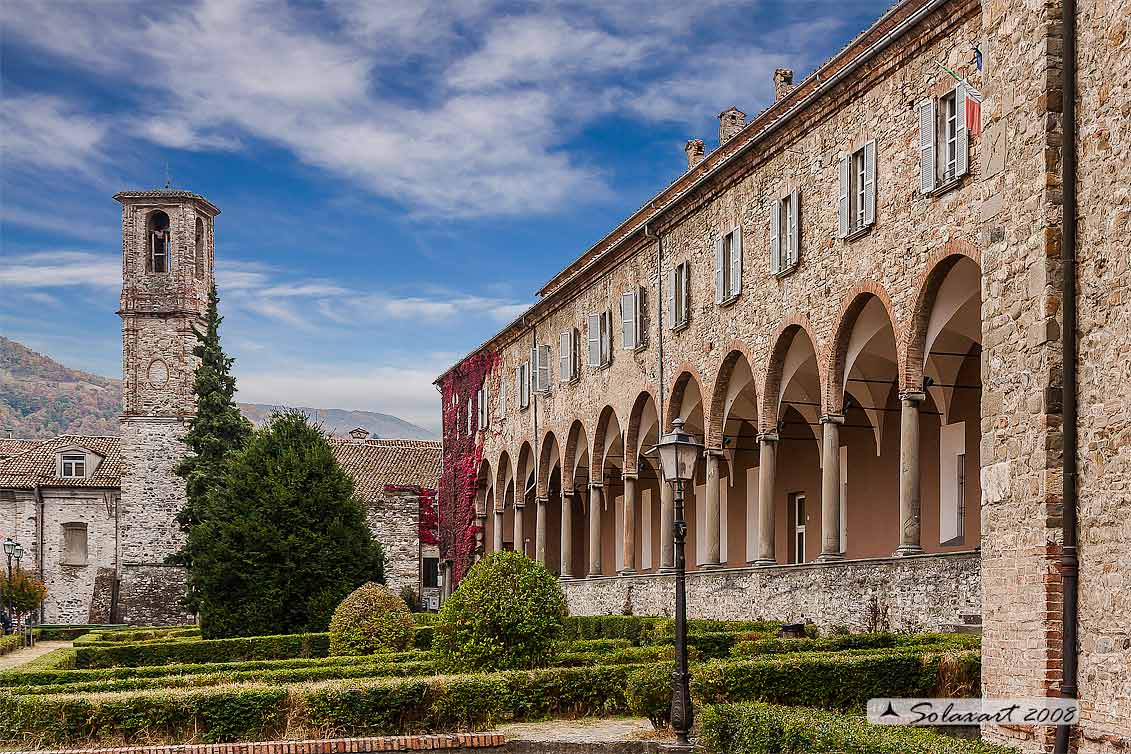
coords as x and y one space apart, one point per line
708 452
630 475
914 396
832 419
596 485
542 500
771 436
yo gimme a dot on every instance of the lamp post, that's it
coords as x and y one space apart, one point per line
679 453
12 549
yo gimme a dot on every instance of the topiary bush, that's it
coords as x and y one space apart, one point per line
649 694
371 619
507 614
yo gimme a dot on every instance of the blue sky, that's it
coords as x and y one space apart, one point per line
397 179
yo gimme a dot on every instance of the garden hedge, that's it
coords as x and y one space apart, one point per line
208 650
373 707
369 620
67 632
770 729
773 645
11 643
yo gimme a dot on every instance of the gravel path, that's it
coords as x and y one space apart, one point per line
13 660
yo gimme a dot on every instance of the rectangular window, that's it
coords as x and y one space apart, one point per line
159 252
785 233
857 190
431 573
678 309
631 314
599 339
73 466
797 522
74 544
481 405
540 368
944 140
568 361
728 266
522 384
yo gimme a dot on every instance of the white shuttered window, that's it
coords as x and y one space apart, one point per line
632 319
522 384
944 140
678 310
540 366
481 407
785 233
568 357
857 207
728 266
598 338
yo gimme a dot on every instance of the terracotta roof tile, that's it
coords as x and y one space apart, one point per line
38 465
376 463
11 446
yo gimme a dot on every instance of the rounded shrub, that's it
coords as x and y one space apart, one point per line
507 614
371 619
649 694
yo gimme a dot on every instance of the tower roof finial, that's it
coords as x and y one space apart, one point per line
168 176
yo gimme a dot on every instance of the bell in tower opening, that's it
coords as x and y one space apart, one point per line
160 242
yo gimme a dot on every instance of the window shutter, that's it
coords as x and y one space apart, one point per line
927 165
525 383
641 320
962 133
720 266
870 182
518 386
795 227
775 237
593 339
481 399
534 370
842 207
502 398
606 337
684 299
673 319
736 261
565 373
544 368
628 321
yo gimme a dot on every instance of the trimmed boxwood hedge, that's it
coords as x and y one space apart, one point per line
764 646
11 643
208 650
374 707
67 632
769 729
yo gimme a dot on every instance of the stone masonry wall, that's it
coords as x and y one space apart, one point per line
70 588
393 521
1104 275
919 593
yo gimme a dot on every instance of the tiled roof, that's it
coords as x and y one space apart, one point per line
10 446
38 465
165 193
376 463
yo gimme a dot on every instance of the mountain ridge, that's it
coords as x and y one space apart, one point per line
41 398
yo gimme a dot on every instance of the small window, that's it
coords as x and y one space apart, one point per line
522 384
678 309
728 266
502 410
632 319
73 466
160 243
797 518
470 428
785 233
569 362
200 248
944 138
857 211
431 574
481 407
74 544
540 368
599 339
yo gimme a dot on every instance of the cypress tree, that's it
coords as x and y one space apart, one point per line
217 429
285 538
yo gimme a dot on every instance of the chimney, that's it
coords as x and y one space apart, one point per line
731 122
695 151
359 433
783 82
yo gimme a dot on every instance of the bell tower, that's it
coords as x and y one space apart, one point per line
167 270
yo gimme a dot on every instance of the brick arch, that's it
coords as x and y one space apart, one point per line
771 391
684 375
485 484
852 304
577 437
632 431
608 413
549 442
523 467
927 286
501 472
736 349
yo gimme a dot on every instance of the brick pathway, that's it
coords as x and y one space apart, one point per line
13 660
457 741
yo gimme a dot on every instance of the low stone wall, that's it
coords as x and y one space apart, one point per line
917 593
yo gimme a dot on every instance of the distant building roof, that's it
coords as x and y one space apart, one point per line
10 446
37 465
376 463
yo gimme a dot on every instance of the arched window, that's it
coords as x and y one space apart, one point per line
200 253
160 241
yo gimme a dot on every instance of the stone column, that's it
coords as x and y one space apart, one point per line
480 535
667 521
498 534
830 488
519 533
909 499
712 519
540 530
567 534
767 449
596 506
629 522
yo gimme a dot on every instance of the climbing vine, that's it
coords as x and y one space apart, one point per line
456 527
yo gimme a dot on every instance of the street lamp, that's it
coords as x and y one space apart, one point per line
679 453
12 549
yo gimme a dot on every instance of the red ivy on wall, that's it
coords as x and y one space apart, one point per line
463 452
426 498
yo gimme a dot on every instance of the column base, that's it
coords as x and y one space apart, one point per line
760 562
665 570
711 567
595 576
565 577
905 550
627 572
830 557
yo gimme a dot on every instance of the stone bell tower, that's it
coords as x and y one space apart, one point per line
167 270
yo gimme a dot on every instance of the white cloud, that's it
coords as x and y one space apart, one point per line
49 132
52 269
